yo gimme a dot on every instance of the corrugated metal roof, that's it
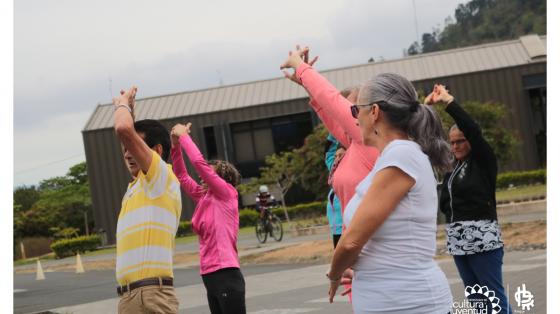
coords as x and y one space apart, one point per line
527 49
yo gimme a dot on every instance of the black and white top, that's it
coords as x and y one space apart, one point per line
468 197
473 236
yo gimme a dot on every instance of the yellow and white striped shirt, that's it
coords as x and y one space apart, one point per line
147 224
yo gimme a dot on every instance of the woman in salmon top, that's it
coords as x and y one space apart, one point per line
334 110
215 221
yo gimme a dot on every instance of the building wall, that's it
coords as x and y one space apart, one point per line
505 86
109 177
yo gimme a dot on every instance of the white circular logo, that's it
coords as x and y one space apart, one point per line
489 294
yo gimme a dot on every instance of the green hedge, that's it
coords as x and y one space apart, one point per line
520 178
302 211
248 217
69 247
185 229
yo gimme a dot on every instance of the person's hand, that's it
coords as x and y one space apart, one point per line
439 94
333 287
305 59
126 98
178 130
347 278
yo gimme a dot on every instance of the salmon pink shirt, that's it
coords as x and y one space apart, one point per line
216 216
334 110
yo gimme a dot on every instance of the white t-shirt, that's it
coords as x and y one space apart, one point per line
395 271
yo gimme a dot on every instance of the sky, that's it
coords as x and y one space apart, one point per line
70 56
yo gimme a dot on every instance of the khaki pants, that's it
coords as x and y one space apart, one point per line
149 299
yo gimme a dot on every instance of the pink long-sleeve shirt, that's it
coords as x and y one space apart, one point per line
216 216
334 110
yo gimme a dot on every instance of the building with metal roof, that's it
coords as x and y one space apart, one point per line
244 122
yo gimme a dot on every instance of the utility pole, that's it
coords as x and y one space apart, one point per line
415 22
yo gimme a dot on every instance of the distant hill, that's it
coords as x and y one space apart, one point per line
482 21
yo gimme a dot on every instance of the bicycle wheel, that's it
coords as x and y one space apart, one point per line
260 231
277 232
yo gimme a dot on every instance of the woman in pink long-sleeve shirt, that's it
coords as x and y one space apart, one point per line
334 110
215 221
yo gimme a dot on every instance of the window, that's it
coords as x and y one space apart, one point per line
536 88
263 143
289 132
243 146
210 141
254 140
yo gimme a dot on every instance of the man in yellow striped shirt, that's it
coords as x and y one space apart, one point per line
149 216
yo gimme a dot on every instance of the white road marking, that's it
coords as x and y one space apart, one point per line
260 285
516 268
534 258
285 311
337 299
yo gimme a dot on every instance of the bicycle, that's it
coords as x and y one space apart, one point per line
270 224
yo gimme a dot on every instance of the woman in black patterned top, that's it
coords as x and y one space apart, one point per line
468 200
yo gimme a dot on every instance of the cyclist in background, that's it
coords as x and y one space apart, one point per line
264 200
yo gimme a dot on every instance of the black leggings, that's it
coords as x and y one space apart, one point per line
225 290
335 239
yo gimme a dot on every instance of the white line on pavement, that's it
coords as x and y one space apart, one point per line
285 311
337 298
257 285
534 258
516 268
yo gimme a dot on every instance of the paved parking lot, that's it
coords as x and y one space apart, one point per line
271 289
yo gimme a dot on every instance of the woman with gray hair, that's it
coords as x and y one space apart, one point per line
390 240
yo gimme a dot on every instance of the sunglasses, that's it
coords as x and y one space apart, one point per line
355 110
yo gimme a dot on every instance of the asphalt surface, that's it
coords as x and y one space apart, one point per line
271 289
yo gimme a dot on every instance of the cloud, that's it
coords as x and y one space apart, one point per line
385 28
36 148
69 57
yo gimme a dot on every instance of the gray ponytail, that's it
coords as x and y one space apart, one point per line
425 129
398 99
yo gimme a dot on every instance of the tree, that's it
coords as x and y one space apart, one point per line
311 168
430 41
78 174
414 49
58 203
25 197
54 183
482 21
280 170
